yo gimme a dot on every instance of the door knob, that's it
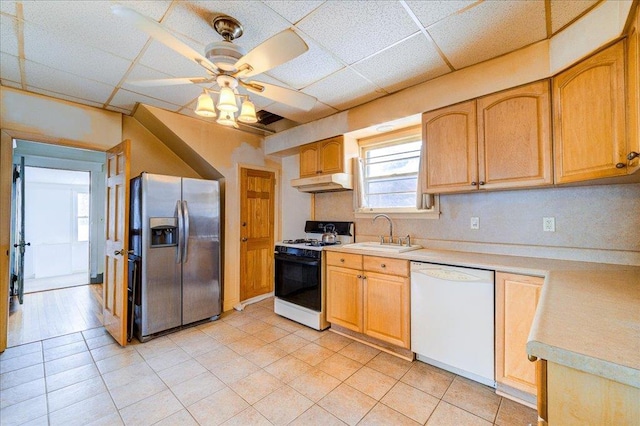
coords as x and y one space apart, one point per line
119 252
244 239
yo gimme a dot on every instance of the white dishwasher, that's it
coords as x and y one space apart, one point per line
452 319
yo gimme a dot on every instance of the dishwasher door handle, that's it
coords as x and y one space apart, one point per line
446 274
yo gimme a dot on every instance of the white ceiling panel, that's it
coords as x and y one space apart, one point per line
293 10
506 26
259 21
343 90
356 29
8 6
180 95
313 65
127 100
432 11
92 23
10 83
161 58
43 77
75 58
563 12
8 35
9 67
407 63
319 111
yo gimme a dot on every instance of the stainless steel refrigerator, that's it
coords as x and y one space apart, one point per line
175 252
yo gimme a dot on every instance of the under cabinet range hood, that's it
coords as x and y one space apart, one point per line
324 183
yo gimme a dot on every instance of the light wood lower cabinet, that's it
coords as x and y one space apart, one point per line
369 295
516 301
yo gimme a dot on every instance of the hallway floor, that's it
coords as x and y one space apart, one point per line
249 368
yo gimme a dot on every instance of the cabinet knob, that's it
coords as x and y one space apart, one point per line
318 172
244 239
382 265
620 166
532 358
360 276
341 260
632 155
481 182
474 183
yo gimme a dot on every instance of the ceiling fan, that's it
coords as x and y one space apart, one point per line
228 67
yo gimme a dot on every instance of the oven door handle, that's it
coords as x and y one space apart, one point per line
299 260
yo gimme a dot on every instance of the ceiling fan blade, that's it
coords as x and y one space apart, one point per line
170 81
159 33
277 50
281 94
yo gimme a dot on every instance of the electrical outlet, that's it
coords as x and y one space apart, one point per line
475 223
549 224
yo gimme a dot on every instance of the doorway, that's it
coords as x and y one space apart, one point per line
58 234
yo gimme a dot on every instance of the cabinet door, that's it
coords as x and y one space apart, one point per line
387 308
344 297
589 118
516 302
331 155
514 138
451 148
309 160
633 98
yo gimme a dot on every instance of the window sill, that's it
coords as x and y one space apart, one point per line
366 213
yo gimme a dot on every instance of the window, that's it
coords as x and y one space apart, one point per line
389 174
82 216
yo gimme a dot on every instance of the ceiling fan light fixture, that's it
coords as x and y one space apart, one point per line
205 107
248 112
226 118
227 100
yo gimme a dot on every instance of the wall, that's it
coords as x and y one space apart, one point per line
593 223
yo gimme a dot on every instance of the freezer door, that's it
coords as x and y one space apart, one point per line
201 295
160 285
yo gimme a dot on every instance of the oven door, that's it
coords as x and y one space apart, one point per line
298 280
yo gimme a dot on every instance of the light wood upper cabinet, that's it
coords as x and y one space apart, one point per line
514 138
323 157
589 126
633 95
451 150
516 301
370 295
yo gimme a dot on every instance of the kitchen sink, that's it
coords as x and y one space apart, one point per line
386 248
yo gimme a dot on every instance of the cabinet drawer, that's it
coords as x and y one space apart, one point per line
386 265
345 260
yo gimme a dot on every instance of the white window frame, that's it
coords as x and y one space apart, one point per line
409 134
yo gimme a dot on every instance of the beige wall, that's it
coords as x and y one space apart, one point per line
593 223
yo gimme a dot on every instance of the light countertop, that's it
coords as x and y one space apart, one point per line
588 315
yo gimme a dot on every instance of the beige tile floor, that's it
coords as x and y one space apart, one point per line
248 368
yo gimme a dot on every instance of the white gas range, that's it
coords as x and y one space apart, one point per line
299 283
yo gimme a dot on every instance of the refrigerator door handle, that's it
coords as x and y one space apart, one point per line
180 231
185 219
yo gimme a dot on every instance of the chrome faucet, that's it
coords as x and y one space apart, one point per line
390 227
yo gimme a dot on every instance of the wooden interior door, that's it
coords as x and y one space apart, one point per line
257 191
114 289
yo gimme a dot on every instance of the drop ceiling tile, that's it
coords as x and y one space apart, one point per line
319 111
63 96
47 78
120 110
313 65
9 67
127 100
432 11
258 21
353 30
489 29
179 95
10 83
293 10
163 59
63 54
8 38
8 6
344 89
93 24
407 63
563 12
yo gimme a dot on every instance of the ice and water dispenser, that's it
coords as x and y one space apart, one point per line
164 231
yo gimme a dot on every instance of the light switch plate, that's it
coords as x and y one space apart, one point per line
475 223
549 224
